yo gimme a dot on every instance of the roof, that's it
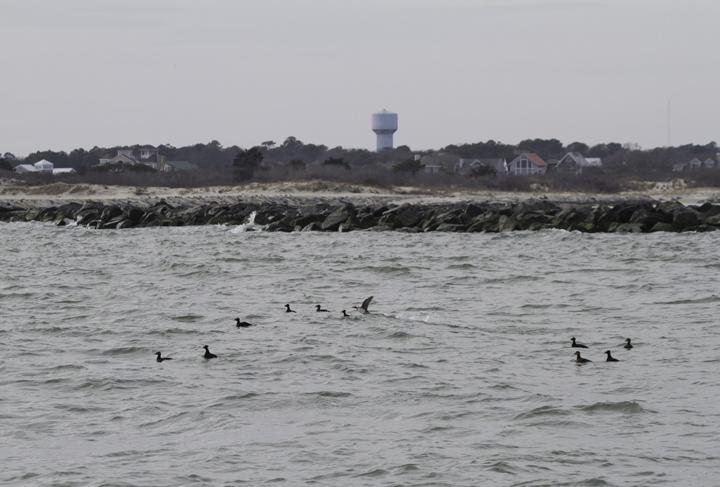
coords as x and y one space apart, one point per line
26 167
533 157
181 165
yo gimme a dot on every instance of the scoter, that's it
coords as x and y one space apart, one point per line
319 309
577 345
207 353
160 358
288 310
581 360
363 308
628 345
242 324
610 357
344 313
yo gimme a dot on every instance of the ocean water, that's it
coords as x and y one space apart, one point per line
462 375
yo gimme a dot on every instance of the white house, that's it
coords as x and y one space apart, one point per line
695 163
526 164
63 170
43 166
709 163
25 168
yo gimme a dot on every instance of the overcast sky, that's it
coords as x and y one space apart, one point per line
80 73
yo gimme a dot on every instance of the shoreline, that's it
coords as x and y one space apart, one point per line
314 190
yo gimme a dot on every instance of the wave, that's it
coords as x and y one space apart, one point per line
627 407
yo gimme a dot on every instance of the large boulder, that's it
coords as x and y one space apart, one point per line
334 219
408 218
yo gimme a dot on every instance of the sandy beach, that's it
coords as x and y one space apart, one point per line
10 190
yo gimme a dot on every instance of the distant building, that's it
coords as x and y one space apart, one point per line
25 168
574 163
527 164
149 156
432 169
709 163
168 166
466 166
43 166
695 163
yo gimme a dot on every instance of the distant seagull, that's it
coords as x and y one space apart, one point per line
345 314
610 357
581 360
628 345
363 309
319 309
207 353
242 324
160 358
288 310
576 345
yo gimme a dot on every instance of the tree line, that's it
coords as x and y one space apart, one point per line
297 155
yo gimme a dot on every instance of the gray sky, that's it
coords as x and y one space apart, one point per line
79 73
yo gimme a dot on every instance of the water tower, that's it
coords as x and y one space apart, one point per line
384 124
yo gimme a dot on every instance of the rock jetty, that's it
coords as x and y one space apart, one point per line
288 214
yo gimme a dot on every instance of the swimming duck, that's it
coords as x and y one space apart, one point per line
628 345
363 308
345 314
160 358
577 345
207 353
581 360
288 310
610 357
319 309
242 324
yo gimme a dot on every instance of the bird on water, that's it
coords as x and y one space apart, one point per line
344 313
242 324
319 309
207 353
160 358
610 357
577 345
363 308
628 345
288 310
581 360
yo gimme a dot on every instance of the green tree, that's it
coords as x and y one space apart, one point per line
482 170
336 161
296 164
409 165
5 165
578 147
246 162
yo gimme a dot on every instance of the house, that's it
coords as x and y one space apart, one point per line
63 170
709 163
466 166
574 163
25 168
149 155
695 163
526 164
177 166
44 166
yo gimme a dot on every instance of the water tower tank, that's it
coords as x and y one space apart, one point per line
384 124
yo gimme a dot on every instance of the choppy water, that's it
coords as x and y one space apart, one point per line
462 376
